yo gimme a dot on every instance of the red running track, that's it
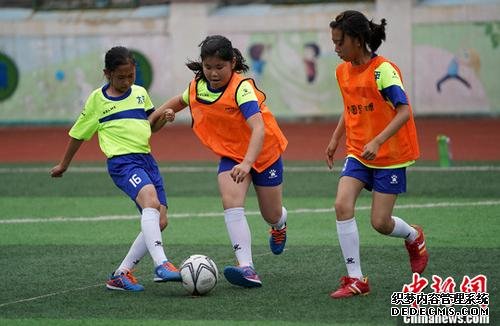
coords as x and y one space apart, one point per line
472 139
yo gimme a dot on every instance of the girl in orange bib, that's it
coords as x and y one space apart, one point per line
229 116
381 141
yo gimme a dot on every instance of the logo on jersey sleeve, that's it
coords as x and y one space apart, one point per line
245 91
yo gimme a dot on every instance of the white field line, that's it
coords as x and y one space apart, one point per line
300 210
248 213
198 169
50 295
227 261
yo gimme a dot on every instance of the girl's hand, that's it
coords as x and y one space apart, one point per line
169 115
57 171
329 152
240 171
370 150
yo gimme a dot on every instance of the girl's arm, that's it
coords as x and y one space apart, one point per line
334 141
240 171
73 146
166 112
401 117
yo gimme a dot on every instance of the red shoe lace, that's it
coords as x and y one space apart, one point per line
278 235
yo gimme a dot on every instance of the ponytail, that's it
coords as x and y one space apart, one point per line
377 34
240 66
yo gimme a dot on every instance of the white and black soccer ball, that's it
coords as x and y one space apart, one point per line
199 274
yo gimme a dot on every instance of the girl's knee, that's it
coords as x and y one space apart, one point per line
382 226
343 210
272 214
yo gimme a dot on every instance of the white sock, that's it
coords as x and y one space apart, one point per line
281 223
349 243
403 230
134 255
239 234
150 225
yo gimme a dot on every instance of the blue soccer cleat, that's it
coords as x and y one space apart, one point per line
277 240
242 276
167 272
123 282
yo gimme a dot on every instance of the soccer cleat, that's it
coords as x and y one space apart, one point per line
167 272
351 286
123 282
418 252
242 276
277 240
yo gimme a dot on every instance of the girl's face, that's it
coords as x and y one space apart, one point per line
217 71
346 47
121 78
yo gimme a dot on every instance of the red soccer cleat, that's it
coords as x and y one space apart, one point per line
351 286
418 252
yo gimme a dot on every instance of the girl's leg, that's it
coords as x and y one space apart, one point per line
151 229
383 221
233 200
134 255
273 212
347 230
271 205
139 249
150 223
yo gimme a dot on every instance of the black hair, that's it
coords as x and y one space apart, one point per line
314 47
117 56
222 48
356 25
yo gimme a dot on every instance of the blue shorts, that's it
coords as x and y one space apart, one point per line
270 177
131 172
386 181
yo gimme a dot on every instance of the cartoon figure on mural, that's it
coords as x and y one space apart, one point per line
465 57
257 59
310 56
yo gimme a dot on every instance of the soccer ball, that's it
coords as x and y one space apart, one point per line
199 274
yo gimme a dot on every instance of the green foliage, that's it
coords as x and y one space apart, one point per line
492 30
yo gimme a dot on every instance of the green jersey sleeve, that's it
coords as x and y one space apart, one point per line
87 123
185 95
245 93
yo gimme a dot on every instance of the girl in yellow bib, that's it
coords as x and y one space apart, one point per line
381 141
229 116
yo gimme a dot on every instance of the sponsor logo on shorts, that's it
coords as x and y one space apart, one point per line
394 179
273 174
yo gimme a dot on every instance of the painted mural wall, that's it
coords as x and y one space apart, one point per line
295 70
47 79
456 68
55 75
